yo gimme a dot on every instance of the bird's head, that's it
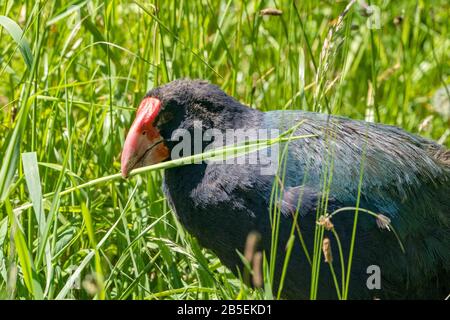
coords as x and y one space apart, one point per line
175 105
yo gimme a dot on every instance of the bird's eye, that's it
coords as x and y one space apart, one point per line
165 117
144 133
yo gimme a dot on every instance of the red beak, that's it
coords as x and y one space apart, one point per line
143 145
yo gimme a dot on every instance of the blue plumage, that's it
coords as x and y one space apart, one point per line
405 178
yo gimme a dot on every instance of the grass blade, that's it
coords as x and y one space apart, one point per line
31 171
26 261
17 34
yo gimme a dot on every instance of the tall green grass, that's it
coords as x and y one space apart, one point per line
72 73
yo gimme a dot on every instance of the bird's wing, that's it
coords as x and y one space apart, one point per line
306 200
385 167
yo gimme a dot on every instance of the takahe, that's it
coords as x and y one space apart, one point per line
402 178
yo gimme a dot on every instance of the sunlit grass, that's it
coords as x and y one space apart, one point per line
69 86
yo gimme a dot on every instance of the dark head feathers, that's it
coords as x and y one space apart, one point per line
184 101
186 93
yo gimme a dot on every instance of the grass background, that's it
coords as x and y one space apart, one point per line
69 96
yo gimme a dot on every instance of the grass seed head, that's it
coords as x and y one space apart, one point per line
270 12
326 248
383 222
251 245
257 276
325 221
